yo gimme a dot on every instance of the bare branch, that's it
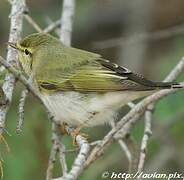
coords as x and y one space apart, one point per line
67 21
16 21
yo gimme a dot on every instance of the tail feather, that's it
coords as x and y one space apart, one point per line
169 85
177 85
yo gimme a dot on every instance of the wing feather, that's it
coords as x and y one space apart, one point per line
87 72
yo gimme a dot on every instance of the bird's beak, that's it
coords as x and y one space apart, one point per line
13 45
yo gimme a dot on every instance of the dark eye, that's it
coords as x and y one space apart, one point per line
27 52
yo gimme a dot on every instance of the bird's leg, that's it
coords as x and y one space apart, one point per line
63 128
77 132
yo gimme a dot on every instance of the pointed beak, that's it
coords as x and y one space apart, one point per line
13 45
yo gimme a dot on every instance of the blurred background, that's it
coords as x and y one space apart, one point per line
144 36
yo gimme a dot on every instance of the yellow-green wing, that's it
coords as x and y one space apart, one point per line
87 72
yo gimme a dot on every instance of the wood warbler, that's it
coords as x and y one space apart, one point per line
80 88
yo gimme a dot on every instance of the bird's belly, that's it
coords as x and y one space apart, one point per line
89 109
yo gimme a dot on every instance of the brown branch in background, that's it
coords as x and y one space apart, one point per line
139 38
33 23
16 20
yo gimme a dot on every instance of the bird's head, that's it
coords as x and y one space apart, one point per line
37 43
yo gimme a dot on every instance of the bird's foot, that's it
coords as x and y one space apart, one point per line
77 132
63 128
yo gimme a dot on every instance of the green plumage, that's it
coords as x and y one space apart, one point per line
71 69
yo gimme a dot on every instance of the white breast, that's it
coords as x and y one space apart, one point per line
91 109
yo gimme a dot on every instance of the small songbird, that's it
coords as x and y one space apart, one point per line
80 88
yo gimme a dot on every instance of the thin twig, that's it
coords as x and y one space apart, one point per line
133 148
53 152
52 26
123 145
33 23
56 147
144 143
28 18
22 100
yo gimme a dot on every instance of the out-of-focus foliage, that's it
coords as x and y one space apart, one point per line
94 21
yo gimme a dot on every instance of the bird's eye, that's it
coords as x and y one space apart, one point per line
27 52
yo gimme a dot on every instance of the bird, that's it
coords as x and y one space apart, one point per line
80 88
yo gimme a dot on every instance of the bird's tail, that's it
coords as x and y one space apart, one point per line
168 85
177 85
